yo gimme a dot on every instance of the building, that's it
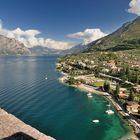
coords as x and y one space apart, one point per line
133 107
123 96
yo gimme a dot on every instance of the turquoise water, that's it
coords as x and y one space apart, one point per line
57 110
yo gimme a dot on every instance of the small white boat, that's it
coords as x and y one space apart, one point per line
46 78
109 111
89 95
95 121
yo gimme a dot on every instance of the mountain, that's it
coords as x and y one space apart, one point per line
125 38
10 46
122 47
40 51
74 50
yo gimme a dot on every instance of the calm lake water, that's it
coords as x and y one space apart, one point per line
62 112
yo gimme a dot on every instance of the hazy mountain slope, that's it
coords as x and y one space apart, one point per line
39 51
76 49
12 47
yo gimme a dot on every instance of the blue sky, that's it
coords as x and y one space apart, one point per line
56 19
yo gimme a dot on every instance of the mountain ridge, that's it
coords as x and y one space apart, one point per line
126 37
10 46
128 31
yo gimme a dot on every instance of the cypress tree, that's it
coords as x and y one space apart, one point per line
107 86
131 96
117 89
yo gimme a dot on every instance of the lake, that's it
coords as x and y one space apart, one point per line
60 111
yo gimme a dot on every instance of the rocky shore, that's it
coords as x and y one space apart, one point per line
11 128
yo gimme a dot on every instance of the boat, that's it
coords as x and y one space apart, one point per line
89 95
109 111
95 121
46 78
109 105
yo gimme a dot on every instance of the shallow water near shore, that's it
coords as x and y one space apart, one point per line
60 111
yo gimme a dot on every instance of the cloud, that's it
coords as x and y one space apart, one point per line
88 35
0 24
30 38
134 7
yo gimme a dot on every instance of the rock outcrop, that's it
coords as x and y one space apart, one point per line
10 127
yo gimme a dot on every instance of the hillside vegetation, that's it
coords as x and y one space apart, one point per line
126 37
111 54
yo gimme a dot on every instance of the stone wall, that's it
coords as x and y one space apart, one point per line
10 125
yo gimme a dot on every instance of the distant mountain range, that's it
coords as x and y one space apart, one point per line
74 50
40 51
10 46
125 38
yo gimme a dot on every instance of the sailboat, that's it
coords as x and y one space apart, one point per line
46 77
109 111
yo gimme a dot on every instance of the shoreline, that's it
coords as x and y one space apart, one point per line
86 88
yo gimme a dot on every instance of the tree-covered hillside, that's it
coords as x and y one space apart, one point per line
126 37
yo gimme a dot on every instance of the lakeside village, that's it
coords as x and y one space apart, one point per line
119 77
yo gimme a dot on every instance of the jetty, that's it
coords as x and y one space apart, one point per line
11 128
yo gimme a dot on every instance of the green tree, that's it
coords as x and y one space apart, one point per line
127 71
117 89
124 77
107 86
137 78
131 95
123 103
137 99
71 80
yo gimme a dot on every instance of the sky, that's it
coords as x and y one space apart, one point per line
61 24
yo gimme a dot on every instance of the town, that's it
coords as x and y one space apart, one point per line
111 73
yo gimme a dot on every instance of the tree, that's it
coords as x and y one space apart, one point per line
137 78
127 71
137 99
131 96
124 77
139 111
123 103
117 89
71 80
107 86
